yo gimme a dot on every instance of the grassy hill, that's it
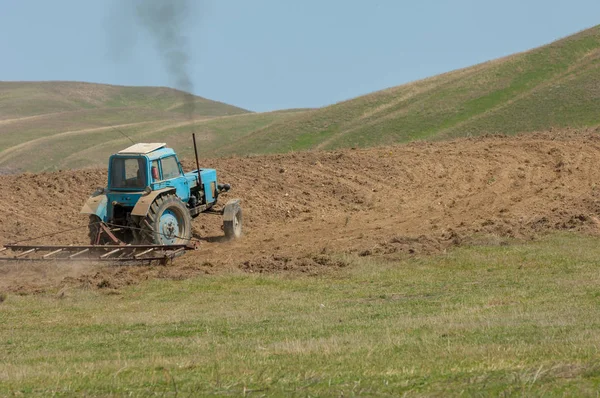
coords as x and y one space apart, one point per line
556 85
49 125
26 99
93 147
70 124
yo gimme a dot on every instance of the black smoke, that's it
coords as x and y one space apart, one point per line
166 23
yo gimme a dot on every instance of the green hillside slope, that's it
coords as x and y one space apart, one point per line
66 125
92 148
26 99
30 111
556 85
43 123
82 147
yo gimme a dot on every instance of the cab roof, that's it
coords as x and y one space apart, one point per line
143 148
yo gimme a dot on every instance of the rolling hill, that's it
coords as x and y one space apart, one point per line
556 85
42 123
70 125
20 100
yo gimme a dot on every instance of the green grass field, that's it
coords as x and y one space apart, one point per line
505 320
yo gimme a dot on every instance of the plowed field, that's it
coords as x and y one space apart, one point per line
303 209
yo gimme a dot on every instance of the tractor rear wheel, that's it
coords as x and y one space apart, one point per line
168 222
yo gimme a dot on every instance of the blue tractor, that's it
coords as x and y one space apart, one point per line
149 200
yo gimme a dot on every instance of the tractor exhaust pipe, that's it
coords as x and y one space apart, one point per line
197 163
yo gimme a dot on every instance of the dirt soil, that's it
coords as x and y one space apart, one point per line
302 209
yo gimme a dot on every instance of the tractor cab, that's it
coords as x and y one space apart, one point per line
144 168
139 166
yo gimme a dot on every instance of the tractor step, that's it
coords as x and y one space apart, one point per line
109 253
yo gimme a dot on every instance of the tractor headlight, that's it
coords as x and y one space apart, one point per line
147 191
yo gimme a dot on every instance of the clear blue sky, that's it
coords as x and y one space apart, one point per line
275 54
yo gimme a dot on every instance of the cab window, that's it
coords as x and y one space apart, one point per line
170 168
128 173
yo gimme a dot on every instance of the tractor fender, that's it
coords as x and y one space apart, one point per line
143 204
230 209
96 205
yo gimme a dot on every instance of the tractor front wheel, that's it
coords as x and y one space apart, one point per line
232 223
168 222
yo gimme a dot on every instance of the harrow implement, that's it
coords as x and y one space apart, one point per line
114 251
109 253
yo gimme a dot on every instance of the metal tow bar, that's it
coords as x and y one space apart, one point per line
109 253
